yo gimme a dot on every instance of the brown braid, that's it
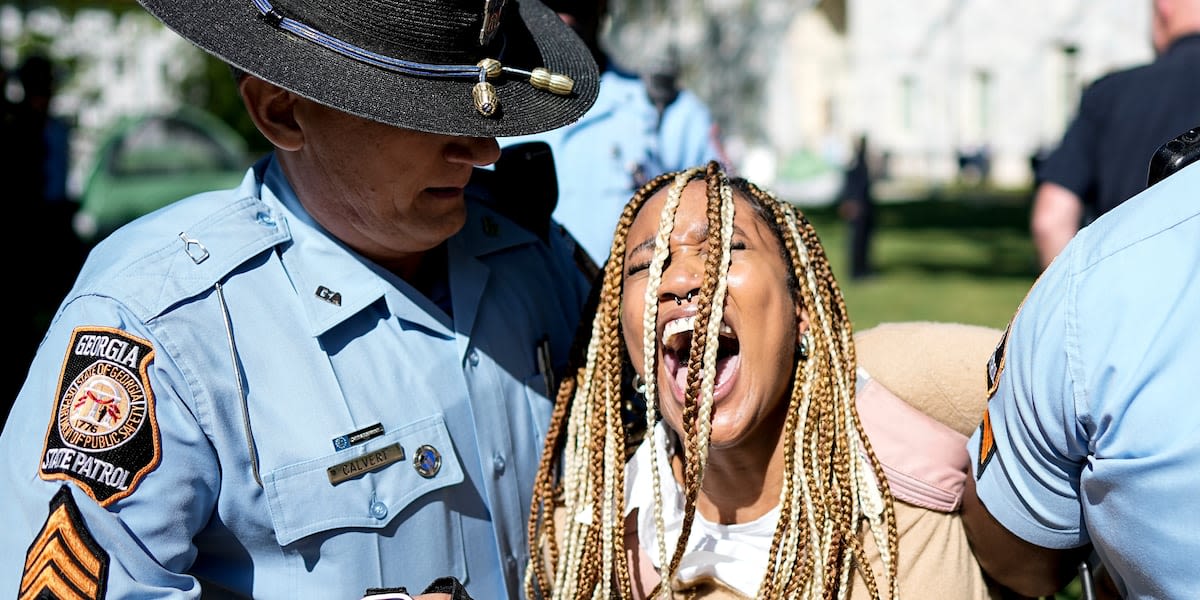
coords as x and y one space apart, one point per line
830 496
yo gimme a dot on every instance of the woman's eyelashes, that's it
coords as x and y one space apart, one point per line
636 266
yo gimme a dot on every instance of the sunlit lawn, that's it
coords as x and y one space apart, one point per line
956 258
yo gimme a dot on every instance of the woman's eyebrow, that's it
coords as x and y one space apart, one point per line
643 247
649 243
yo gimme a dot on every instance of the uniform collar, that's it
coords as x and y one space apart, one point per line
334 282
1191 40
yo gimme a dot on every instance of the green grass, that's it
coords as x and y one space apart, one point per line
964 257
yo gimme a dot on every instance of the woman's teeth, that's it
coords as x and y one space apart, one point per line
686 325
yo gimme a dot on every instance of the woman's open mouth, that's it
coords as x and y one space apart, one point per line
677 349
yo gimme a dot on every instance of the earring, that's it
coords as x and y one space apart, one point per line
639 384
802 347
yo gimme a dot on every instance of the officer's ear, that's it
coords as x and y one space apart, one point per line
272 110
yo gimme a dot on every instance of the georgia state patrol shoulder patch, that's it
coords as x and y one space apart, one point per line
995 366
103 434
64 561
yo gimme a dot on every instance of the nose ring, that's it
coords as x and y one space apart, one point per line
679 301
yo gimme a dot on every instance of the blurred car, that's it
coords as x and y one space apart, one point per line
148 161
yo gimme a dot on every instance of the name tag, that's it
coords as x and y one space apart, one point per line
365 463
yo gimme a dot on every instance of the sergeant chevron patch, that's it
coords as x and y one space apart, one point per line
64 561
103 434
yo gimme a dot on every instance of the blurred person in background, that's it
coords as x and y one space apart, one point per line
857 208
640 126
35 161
1122 119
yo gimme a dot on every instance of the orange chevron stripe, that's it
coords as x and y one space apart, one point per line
64 561
60 528
50 581
59 559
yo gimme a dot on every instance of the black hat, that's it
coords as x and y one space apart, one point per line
485 68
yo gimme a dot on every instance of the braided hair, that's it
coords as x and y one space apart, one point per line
832 488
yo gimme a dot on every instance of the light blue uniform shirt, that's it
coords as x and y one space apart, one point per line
596 157
323 344
1095 415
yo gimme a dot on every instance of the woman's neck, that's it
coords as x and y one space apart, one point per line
741 483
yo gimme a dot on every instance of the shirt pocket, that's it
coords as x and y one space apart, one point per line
303 501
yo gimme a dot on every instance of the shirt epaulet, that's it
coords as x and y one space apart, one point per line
149 272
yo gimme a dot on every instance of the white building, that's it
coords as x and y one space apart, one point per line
925 79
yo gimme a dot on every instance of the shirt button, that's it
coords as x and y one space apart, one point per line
378 509
511 561
265 219
498 463
474 358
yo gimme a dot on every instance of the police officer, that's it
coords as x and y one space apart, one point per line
1122 117
1089 448
337 376
639 127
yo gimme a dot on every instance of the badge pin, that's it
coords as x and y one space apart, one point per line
427 461
328 295
342 442
490 227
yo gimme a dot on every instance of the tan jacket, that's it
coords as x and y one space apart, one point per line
935 562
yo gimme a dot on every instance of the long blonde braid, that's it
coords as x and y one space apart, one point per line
830 493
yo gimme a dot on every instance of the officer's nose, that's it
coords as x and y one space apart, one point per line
474 151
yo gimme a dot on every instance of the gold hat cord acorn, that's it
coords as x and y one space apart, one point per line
484 93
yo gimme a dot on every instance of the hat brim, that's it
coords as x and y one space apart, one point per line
233 31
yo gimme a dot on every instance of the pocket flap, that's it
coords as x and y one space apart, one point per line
304 501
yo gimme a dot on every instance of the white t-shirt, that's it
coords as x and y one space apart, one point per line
735 555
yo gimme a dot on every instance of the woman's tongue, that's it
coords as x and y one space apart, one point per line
677 363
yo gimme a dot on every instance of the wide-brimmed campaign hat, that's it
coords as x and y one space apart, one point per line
484 68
